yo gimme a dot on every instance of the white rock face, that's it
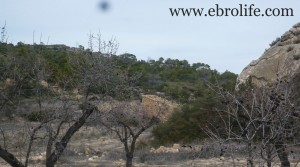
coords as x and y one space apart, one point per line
281 61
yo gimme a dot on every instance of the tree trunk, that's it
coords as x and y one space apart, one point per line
282 154
250 155
10 158
129 157
269 155
50 163
60 146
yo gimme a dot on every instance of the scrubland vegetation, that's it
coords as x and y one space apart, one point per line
50 115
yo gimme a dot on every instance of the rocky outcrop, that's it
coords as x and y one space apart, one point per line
280 61
163 149
177 148
157 106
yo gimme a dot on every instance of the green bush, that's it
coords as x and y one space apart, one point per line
35 116
290 48
182 127
186 126
141 144
296 57
275 42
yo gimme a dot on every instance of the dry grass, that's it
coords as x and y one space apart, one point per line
96 147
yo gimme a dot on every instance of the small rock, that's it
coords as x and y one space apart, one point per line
95 157
176 146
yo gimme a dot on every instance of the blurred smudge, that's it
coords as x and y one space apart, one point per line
104 6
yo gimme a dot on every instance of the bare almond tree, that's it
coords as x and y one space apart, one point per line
93 72
264 119
128 120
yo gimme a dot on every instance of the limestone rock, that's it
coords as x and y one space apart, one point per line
176 146
163 149
158 106
280 61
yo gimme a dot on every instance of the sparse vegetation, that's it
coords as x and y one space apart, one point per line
35 116
49 76
297 41
261 118
296 57
275 41
290 48
128 122
61 92
27 71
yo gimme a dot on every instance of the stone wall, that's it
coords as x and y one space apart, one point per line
157 106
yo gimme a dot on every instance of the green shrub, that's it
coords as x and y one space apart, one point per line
132 122
274 42
141 144
296 57
290 48
182 127
35 116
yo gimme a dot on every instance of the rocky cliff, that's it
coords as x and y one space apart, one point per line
280 61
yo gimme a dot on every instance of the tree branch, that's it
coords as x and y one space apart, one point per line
60 146
10 158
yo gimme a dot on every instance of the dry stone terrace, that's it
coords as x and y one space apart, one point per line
155 105
151 104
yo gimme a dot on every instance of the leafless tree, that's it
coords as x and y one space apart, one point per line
93 73
265 119
128 120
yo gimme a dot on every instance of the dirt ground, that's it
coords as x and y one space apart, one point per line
96 147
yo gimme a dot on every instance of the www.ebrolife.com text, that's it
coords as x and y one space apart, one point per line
242 10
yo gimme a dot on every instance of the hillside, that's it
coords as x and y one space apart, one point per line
58 103
55 90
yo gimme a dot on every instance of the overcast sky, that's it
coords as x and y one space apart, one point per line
146 28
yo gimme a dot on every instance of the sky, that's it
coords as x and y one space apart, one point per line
146 28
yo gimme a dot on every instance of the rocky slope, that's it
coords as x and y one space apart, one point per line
280 61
